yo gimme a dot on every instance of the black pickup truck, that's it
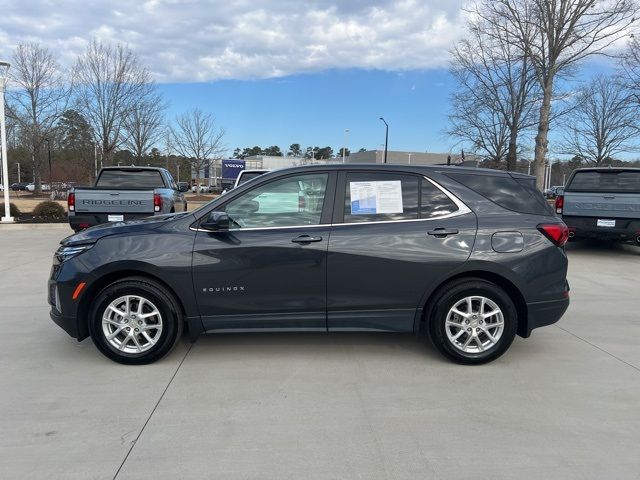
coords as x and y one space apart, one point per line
125 193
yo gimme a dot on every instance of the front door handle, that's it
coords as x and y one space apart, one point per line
306 239
442 232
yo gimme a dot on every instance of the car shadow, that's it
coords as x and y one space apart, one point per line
602 247
393 344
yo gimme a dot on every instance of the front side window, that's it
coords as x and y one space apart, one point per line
375 197
290 201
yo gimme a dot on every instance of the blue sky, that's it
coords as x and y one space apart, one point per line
315 109
277 71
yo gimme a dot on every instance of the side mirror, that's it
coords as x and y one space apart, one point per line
216 222
183 188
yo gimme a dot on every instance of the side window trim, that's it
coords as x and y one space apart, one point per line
333 214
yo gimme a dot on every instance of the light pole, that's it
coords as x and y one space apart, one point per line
344 144
4 70
95 160
49 152
386 139
409 155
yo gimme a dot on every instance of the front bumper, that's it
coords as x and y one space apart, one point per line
68 323
63 282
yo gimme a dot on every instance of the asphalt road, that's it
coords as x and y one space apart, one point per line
561 405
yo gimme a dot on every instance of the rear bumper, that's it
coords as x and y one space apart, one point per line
541 314
625 230
81 221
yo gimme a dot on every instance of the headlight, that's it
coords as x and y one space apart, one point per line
65 253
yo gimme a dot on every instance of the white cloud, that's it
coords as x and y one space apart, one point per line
197 40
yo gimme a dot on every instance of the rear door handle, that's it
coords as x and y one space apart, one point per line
306 239
442 232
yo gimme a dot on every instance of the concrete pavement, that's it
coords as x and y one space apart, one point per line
562 404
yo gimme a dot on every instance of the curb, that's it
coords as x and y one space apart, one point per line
34 226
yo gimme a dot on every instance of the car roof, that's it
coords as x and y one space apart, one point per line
132 167
419 169
607 169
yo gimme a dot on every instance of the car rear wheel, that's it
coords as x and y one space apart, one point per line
473 321
135 321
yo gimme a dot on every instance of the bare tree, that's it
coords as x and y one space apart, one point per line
196 137
556 35
37 100
482 127
603 122
111 82
497 91
143 126
630 70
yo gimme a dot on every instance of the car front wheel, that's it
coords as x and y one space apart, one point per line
135 321
473 321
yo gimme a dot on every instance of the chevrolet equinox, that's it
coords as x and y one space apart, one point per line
467 257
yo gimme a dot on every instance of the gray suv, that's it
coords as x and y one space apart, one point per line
466 257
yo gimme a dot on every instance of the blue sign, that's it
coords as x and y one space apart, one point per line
231 169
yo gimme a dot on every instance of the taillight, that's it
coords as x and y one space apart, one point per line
71 202
558 233
559 203
157 202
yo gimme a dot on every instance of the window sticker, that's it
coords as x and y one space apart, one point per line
376 197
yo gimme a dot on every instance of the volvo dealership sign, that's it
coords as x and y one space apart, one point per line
231 168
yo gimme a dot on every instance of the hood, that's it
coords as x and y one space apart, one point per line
93 234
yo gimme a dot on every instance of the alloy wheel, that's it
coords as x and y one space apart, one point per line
132 324
474 324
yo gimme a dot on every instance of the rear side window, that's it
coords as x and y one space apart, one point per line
130 179
433 202
519 195
626 181
376 197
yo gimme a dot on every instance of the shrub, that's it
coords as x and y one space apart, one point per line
13 209
49 210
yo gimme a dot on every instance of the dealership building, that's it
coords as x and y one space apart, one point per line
413 158
215 174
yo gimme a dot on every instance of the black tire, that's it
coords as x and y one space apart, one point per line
171 318
450 295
